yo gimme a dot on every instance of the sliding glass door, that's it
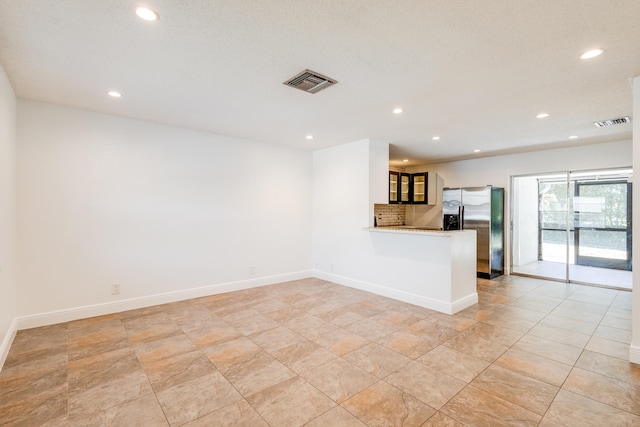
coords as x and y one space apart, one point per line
573 226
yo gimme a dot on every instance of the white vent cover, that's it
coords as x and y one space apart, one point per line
310 81
612 122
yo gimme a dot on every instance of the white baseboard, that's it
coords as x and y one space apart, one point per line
67 315
7 340
634 354
422 301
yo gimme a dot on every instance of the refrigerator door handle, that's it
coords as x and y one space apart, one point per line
461 216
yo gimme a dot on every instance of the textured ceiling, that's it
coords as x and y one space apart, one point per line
475 73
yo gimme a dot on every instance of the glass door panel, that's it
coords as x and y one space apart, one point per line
419 188
603 229
554 244
404 188
393 187
573 227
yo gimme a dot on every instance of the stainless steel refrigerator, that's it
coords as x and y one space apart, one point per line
480 209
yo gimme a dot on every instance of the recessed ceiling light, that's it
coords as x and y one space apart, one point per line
309 136
591 53
405 160
436 138
542 115
147 14
114 94
397 111
476 151
573 136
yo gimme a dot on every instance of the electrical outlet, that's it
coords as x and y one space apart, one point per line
252 269
115 289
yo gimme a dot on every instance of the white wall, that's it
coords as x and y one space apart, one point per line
158 209
7 214
498 170
634 352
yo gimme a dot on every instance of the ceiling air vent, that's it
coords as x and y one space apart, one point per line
612 122
310 81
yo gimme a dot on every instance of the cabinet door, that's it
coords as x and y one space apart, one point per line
419 188
394 178
405 188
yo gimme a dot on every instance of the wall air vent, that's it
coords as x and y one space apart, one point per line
612 122
310 81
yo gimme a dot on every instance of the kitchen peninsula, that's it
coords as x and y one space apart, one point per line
430 268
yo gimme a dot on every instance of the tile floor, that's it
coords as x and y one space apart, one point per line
314 353
608 277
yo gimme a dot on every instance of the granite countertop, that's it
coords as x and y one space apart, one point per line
409 229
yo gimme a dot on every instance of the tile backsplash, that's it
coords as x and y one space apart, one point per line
389 214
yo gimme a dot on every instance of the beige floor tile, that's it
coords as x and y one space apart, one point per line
570 409
441 420
457 322
613 392
496 333
339 379
237 414
429 385
257 342
473 406
616 322
163 348
622 313
24 381
277 338
98 369
477 347
191 400
563 336
285 315
583 325
516 388
563 353
396 318
452 362
435 333
340 341
592 319
538 367
584 306
608 347
258 373
229 353
341 317
290 403
98 340
610 366
151 327
406 344
384 405
269 306
615 334
371 329
377 360
302 356
537 303
143 411
165 373
338 416
211 333
96 397
253 324
38 408
310 327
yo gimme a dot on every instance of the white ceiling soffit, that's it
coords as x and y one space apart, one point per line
475 74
